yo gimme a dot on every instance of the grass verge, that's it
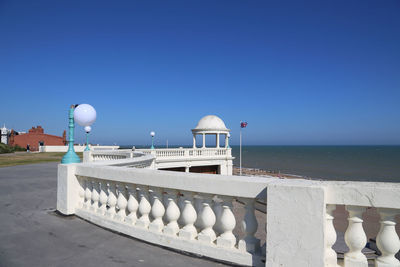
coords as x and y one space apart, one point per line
23 158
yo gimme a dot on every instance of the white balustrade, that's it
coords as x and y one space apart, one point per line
194 212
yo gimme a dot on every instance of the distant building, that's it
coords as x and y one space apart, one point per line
4 134
35 138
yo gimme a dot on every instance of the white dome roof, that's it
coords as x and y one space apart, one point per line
211 123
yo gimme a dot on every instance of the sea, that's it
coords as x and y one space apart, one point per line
345 163
348 163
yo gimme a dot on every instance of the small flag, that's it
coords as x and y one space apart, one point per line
243 124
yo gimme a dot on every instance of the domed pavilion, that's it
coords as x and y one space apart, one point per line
211 124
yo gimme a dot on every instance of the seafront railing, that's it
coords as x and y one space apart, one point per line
170 209
188 152
195 213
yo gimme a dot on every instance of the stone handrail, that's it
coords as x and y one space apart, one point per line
193 212
188 152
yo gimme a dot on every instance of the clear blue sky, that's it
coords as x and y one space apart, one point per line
325 72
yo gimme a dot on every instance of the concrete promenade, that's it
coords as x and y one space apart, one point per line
32 234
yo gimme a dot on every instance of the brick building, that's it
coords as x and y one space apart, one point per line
36 137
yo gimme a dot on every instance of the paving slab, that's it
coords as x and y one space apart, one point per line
33 234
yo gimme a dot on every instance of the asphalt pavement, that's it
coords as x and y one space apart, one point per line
33 234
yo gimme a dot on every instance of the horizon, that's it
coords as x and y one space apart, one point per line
299 74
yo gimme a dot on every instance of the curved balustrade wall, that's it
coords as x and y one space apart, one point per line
193 212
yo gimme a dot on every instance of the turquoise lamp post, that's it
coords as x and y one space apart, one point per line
85 115
152 139
71 156
87 130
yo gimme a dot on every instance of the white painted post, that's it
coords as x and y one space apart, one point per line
121 203
330 238
387 240
355 238
102 198
249 224
157 211
172 213
296 224
133 205
144 207
204 140
67 189
189 217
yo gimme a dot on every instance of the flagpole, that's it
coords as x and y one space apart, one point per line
240 149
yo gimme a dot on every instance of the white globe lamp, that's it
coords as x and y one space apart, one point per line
85 115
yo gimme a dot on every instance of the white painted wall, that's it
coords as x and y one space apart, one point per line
77 148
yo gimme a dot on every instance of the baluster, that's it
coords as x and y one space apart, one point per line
103 199
81 192
133 205
387 240
198 205
355 238
121 203
157 211
95 197
144 207
217 207
88 195
172 213
227 238
189 216
330 238
207 221
111 201
249 224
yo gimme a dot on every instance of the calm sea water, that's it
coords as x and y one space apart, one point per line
367 163
357 163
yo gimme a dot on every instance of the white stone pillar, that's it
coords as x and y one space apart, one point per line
217 140
296 219
144 207
133 205
189 217
157 211
355 238
102 198
172 213
68 189
387 240
121 203
204 140
194 140
330 238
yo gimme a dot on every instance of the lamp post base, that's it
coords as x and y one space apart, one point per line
70 157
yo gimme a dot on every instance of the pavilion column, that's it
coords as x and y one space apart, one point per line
194 140
204 140
217 140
